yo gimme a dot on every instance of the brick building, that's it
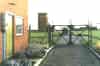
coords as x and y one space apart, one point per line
13 27
42 21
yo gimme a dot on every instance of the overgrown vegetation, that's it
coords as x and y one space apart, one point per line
39 38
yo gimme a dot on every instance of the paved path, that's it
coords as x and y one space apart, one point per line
73 55
65 39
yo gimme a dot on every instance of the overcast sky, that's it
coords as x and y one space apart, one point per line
61 11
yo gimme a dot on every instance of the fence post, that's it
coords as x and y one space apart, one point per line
29 34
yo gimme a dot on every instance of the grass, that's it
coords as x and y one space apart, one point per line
96 33
42 37
38 34
95 36
56 33
39 38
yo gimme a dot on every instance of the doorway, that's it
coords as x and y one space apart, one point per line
8 38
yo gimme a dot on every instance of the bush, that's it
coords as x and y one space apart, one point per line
34 52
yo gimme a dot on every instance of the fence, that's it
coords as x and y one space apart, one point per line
96 39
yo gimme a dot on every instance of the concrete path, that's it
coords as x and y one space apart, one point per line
73 55
65 39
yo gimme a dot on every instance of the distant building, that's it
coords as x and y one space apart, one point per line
42 21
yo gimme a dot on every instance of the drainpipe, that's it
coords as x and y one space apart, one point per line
29 34
3 46
2 26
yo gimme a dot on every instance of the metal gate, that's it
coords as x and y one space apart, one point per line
69 34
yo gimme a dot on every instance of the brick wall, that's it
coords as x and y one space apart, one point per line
42 21
0 46
19 8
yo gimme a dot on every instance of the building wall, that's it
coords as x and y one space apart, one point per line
42 21
0 46
19 8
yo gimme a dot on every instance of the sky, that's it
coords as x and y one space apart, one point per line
61 12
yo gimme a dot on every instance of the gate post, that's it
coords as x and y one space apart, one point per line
49 35
89 34
70 35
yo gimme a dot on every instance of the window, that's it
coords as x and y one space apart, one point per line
19 25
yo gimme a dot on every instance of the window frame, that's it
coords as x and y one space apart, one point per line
22 23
